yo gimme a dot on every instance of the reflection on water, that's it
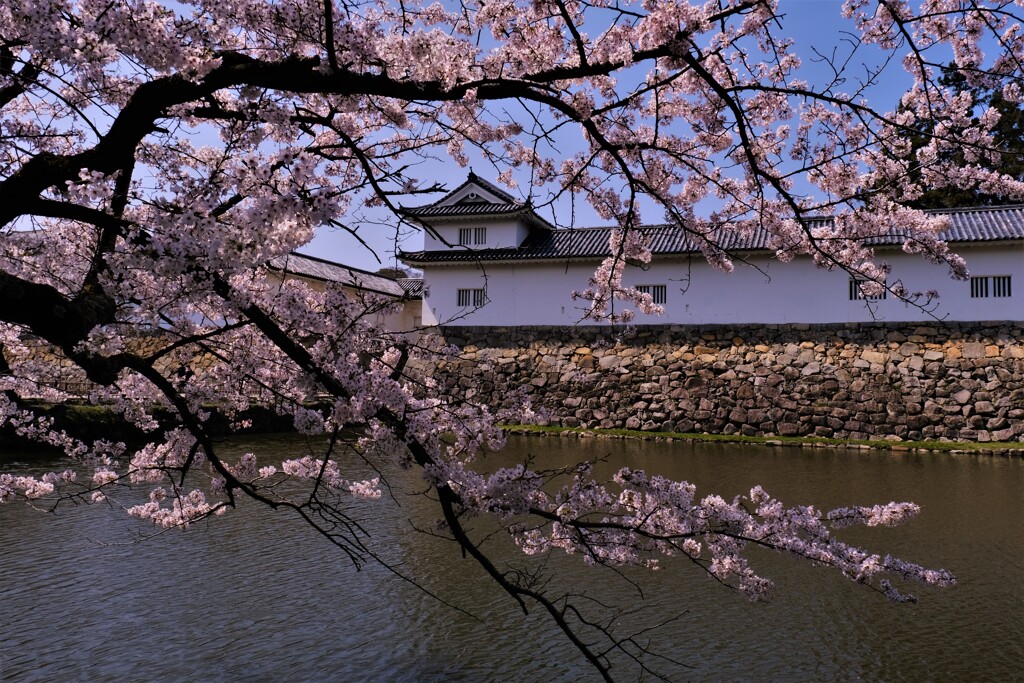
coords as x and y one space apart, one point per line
255 597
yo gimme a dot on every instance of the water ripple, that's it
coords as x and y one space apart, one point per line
256 597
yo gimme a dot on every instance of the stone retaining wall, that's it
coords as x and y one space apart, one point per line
857 381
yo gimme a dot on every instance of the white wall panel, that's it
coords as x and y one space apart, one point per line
765 291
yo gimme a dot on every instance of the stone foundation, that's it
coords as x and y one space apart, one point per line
856 381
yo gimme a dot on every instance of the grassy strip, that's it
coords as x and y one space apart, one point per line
96 421
1013 447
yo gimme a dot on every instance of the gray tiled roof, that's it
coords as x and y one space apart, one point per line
328 271
508 205
984 224
412 286
966 225
468 209
474 179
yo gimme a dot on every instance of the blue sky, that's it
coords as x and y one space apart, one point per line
815 24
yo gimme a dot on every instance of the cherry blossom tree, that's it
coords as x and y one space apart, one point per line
153 159
1008 136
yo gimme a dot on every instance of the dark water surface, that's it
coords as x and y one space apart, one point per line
255 596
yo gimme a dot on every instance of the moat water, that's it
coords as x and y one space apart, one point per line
256 596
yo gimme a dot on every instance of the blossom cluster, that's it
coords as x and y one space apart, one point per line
33 487
652 516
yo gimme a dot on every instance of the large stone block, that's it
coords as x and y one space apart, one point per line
876 357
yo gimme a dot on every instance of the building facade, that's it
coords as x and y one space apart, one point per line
358 285
490 260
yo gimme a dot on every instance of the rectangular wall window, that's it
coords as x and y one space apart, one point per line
472 236
856 294
471 297
659 293
985 286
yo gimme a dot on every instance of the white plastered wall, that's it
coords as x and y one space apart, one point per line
500 234
766 291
